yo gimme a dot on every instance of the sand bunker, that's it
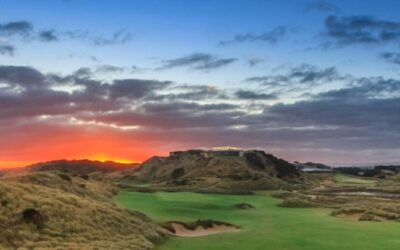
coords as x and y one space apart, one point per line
200 228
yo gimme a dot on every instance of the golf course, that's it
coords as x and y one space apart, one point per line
266 226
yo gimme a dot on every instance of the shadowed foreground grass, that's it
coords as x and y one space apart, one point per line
266 227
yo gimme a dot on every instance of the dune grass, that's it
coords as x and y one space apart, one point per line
53 210
266 227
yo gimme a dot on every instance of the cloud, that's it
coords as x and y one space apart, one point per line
27 31
365 88
21 28
254 61
109 69
192 93
357 121
48 36
270 37
106 68
391 57
361 30
135 88
7 50
172 116
20 76
119 37
321 6
198 61
299 78
250 95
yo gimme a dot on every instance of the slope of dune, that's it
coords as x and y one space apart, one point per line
54 210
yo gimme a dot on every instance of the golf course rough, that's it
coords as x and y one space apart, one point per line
266 227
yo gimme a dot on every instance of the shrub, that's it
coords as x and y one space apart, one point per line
4 203
65 177
178 172
367 217
84 176
31 215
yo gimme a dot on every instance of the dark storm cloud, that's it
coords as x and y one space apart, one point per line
7 50
198 61
271 37
16 28
361 30
391 57
320 5
251 95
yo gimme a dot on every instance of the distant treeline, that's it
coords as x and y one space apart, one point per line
368 172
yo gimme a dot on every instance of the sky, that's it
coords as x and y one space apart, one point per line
123 80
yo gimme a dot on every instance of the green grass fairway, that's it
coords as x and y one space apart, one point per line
347 180
267 227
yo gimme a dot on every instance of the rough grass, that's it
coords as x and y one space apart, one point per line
265 227
52 211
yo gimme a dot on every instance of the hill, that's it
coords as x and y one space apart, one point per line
55 210
80 166
216 170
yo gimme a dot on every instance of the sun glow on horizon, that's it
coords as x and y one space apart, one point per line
103 158
7 165
4 165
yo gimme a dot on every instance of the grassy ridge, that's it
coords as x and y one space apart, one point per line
266 227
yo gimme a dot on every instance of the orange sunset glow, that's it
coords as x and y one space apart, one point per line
93 146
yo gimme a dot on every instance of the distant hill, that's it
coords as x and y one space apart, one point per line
216 170
80 166
377 171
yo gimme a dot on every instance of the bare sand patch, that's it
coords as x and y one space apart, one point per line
200 228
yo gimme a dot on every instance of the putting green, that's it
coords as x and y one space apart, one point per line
266 227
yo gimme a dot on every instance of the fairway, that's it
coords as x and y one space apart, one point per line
266 227
347 180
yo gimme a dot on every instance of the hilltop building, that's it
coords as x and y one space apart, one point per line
312 167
